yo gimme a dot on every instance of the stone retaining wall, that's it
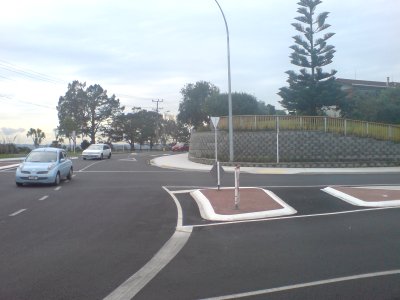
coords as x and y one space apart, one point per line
296 149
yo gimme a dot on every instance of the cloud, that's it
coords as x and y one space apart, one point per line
11 131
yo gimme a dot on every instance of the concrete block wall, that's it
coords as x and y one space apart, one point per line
296 147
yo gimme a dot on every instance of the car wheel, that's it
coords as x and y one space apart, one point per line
84 158
58 179
69 176
109 155
101 156
19 184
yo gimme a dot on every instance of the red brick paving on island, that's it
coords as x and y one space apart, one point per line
370 195
251 200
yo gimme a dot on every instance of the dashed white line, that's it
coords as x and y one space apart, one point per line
57 188
43 198
17 212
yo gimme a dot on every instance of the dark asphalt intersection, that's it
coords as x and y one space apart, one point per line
85 238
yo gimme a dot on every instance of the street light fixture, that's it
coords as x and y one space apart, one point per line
229 89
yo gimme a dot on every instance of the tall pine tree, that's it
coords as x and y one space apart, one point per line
311 90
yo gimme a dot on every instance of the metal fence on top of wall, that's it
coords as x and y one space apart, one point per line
345 127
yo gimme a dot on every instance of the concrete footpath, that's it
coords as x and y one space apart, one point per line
182 162
256 203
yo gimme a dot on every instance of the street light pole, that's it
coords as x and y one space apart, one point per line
229 88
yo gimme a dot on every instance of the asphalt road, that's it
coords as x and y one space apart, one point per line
85 238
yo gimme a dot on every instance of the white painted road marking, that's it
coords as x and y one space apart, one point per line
171 248
57 188
141 278
90 165
308 284
43 198
296 217
17 212
128 159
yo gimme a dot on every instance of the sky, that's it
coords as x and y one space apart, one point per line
143 51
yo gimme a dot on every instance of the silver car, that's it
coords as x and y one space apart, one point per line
97 151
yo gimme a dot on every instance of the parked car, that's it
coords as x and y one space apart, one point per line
44 165
180 147
97 151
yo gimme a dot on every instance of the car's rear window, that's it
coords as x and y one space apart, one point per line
95 147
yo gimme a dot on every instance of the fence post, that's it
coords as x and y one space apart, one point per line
367 128
345 127
325 123
277 139
255 122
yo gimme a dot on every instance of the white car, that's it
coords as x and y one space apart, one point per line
97 151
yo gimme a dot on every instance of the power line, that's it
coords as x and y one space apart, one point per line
27 73
4 97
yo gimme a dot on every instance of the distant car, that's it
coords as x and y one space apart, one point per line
180 147
97 151
44 165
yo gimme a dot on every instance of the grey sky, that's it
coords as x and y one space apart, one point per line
144 50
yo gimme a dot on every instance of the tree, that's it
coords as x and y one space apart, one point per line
99 109
71 110
242 104
384 108
147 121
125 127
389 106
86 110
175 131
312 89
191 108
37 136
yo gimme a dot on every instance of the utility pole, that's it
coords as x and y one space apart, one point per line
157 101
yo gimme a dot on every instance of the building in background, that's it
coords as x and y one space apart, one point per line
368 87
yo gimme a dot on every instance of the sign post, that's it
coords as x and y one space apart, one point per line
237 192
217 172
215 121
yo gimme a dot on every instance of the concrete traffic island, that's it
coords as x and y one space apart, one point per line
369 196
255 203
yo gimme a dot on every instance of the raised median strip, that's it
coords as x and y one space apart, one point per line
255 203
10 166
376 196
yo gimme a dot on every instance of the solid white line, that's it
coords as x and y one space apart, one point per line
179 221
43 198
141 278
171 248
296 217
17 212
129 171
308 284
